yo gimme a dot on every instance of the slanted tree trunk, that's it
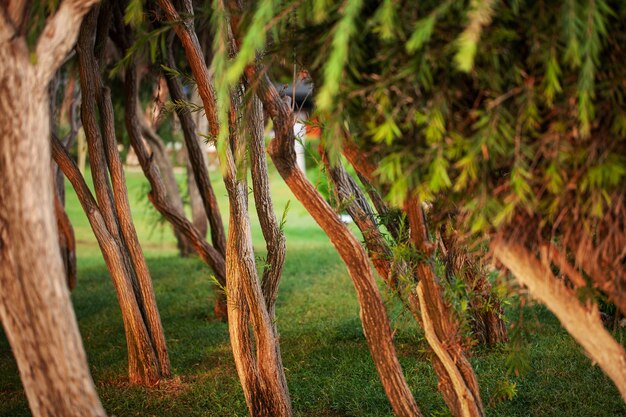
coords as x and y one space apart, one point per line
256 353
582 321
35 306
395 272
198 163
148 360
457 380
488 324
159 192
198 215
70 106
166 170
374 317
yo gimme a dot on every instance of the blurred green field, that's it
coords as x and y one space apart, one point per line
327 362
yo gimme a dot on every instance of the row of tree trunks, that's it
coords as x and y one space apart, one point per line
582 321
457 380
488 324
428 307
159 194
35 306
374 317
256 354
147 354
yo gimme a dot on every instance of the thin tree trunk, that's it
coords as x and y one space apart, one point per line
35 306
197 160
147 363
198 164
457 380
166 170
395 272
268 396
262 377
141 356
198 215
376 324
158 194
581 321
67 242
158 191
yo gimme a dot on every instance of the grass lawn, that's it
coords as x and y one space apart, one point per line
328 367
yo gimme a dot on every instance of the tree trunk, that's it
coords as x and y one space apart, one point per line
457 380
395 272
35 305
159 193
198 215
147 358
166 170
260 371
376 324
581 321
198 164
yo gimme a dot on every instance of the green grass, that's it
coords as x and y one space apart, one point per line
328 367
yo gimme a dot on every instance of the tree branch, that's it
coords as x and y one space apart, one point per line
59 35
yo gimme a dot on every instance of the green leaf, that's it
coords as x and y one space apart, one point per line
334 67
479 16
438 173
133 15
421 34
551 84
386 20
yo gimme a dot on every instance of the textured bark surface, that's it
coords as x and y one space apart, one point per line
457 380
274 237
148 362
581 321
373 314
197 161
35 306
256 353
